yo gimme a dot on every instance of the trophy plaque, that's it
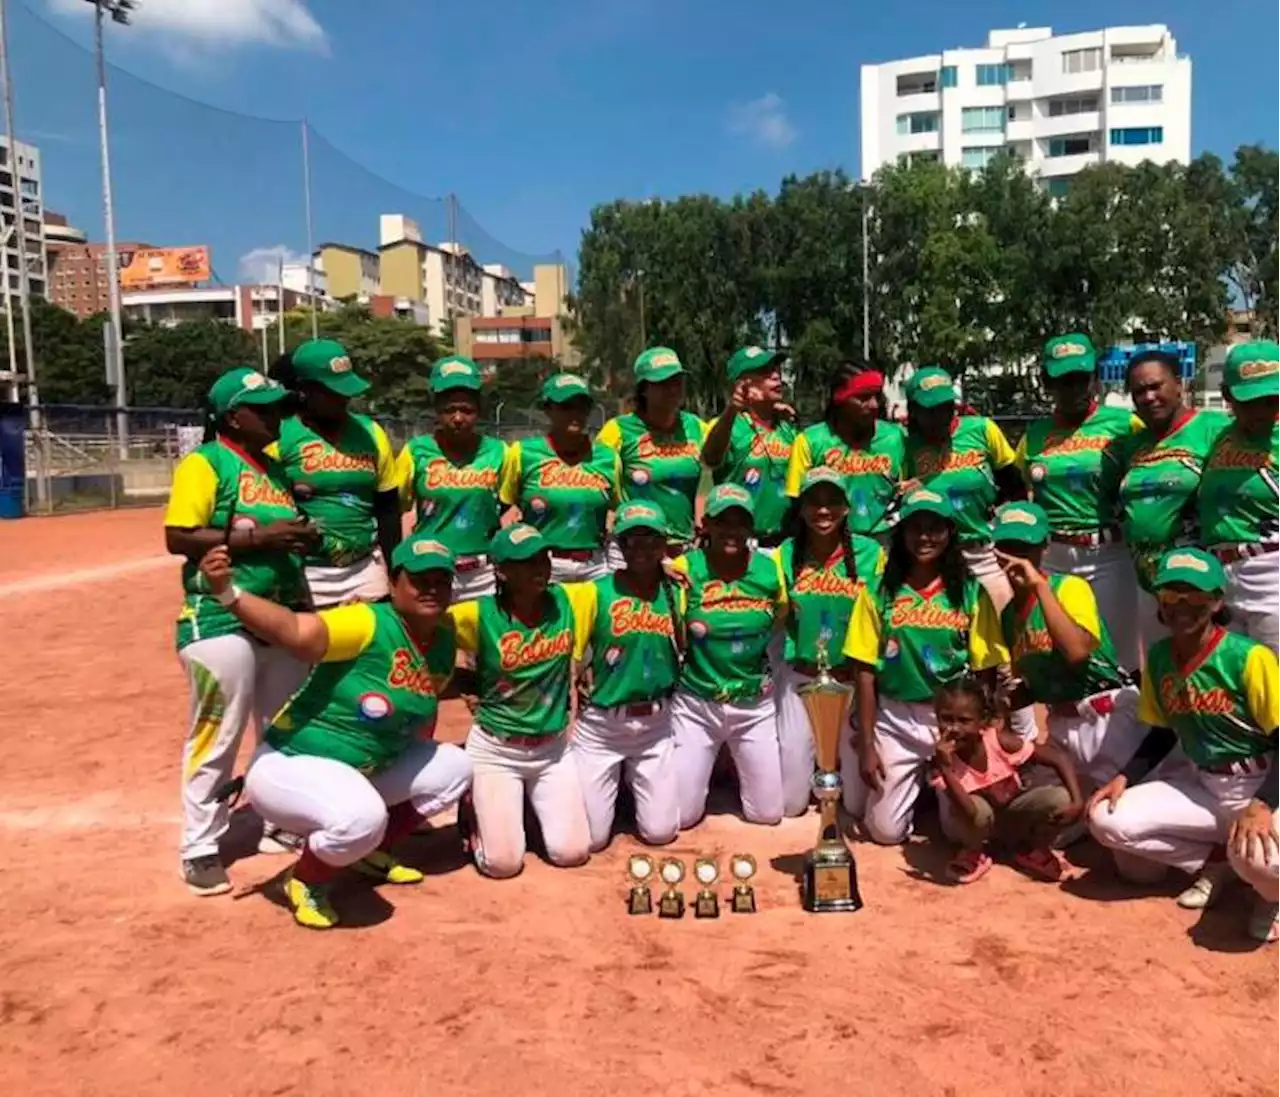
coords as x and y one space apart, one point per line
742 866
640 871
706 904
830 876
671 905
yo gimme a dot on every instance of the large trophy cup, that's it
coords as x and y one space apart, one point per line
830 876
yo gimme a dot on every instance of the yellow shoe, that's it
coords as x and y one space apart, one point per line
382 866
310 903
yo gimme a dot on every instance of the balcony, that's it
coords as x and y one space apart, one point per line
1064 124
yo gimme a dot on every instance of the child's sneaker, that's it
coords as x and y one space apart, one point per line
1043 864
969 865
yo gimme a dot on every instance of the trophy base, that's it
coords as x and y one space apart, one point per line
744 899
671 905
706 905
831 881
640 902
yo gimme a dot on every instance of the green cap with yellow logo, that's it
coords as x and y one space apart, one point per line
454 372
1021 523
657 364
421 552
1252 371
749 359
244 385
726 497
517 542
560 388
326 362
929 387
1192 566
1072 353
639 516
924 501
823 474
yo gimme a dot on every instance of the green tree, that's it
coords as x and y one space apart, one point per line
173 366
1254 269
70 363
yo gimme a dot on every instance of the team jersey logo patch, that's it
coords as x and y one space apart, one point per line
1186 560
243 521
252 381
698 629
452 369
1069 350
613 656
1259 367
538 504
891 649
1038 472
421 548
520 534
639 476
1018 517
752 477
375 706
936 381
341 364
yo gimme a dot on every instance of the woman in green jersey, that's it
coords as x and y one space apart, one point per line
229 492
1239 498
342 473
733 598
1218 692
1061 459
824 565
351 762
930 622
524 640
632 663
564 483
450 477
659 447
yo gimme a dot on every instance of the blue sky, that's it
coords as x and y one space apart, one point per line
530 113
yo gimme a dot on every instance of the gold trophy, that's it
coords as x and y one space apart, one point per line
830 876
640 870
706 904
671 905
742 866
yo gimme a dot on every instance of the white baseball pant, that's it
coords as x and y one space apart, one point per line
795 741
1108 568
232 678
1177 819
606 743
363 581
751 731
475 582
906 734
1100 744
503 775
341 812
980 558
1253 595
565 570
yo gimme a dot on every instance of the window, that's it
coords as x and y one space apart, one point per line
992 75
918 83
1143 135
948 75
1082 105
923 122
982 120
978 158
924 156
1070 146
1057 188
30 187
1019 71
1081 60
1146 93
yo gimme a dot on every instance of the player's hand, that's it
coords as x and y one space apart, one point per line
215 566
944 753
1257 823
288 535
676 575
1108 793
1021 573
870 767
784 411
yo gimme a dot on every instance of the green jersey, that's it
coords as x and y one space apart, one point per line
1239 500
374 693
757 459
632 641
1048 675
662 469
208 483
567 503
1222 706
821 597
457 504
963 469
336 480
729 625
1063 466
870 475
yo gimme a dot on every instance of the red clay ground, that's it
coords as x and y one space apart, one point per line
114 981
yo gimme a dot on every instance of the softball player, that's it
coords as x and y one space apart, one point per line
725 695
750 444
563 483
624 718
450 477
229 492
350 761
659 447
865 449
341 471
524 640
1239 499
823 566
1061 459
967 459
930 623
1219 692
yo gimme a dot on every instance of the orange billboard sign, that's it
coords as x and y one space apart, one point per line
145 268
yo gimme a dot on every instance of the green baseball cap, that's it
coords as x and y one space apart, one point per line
727 496
1072 353
924 501
823 474
929 387
1252 371
1023 523
326 362
421 552
454 372
1192 566
656 364
749 359
517 542
244 386
560 388
639 516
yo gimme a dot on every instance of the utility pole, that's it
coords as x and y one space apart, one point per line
866 289
306 196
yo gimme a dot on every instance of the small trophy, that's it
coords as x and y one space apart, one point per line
640 870
742 866
830 876
706 904
671 905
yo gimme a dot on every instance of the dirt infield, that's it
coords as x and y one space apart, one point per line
114 981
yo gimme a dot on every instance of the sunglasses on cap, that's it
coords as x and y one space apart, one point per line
1167 596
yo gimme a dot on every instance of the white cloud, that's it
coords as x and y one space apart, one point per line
763 121
261 265
223 23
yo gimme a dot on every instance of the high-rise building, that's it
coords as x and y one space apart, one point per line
351 272
1060 102
22 186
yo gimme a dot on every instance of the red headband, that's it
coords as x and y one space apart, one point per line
860 384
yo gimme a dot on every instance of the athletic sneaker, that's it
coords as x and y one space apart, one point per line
969 865
1043 864
380 865
206 876
274 840
1262 921
1206 889
467 827
310 903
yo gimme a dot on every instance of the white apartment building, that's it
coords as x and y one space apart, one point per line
1060 102
23 188
499 290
